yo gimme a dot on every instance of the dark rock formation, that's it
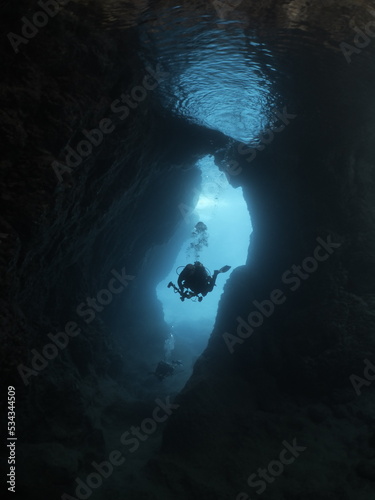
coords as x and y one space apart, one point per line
63 237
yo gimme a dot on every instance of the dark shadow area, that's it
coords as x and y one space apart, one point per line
106 109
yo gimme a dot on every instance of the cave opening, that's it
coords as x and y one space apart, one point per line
219 228
271 363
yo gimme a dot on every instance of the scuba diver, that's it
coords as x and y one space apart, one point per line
194 280
165 369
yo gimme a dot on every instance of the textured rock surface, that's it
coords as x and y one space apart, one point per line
290 378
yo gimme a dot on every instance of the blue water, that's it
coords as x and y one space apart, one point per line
219 75
223 210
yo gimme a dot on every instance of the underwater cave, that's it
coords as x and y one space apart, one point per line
149 149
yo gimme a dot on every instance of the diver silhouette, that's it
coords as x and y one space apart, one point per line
194 280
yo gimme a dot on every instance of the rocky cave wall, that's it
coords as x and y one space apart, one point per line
290 379
65 235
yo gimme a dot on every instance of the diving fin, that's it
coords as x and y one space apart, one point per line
224 269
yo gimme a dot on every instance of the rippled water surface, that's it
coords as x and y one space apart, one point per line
229 67
218 76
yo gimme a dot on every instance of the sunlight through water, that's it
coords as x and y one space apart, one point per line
223 210
219 78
